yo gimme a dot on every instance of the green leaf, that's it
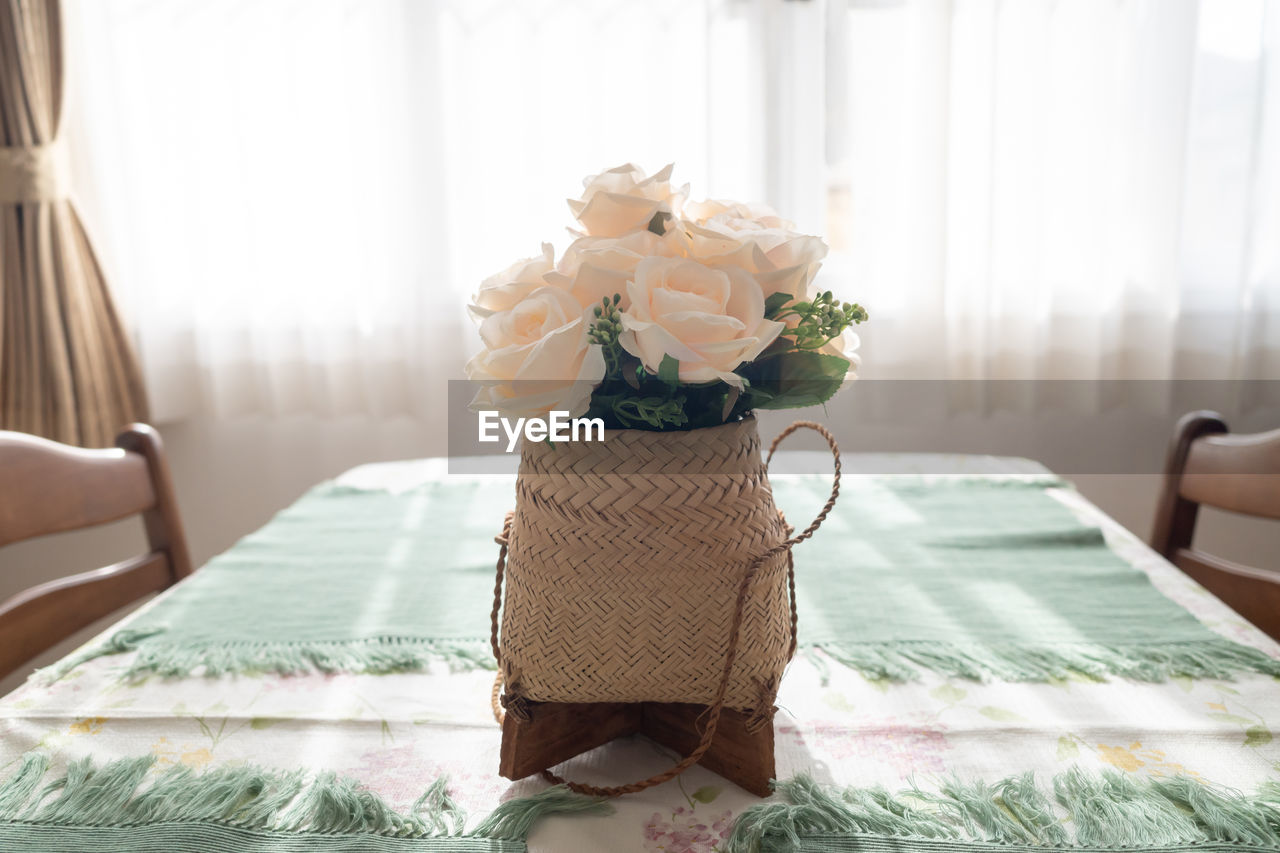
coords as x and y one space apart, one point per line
838 701
1067 748
1230 718
1000 715
775 303
657 412
792 380
948 693
780 344
706 794
1256 736
263 722
669 370
730 398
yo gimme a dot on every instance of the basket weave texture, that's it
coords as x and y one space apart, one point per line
625 559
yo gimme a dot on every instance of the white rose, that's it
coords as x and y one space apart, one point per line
501 291
537 358
594 268
622 200
783 261
745 216
710 320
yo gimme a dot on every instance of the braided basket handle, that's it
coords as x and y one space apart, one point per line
712 714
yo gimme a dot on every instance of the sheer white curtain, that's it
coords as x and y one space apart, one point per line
1048 189
298 195
295 196
256 173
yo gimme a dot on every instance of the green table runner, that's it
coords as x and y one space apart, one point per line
114 806
983 576
963 576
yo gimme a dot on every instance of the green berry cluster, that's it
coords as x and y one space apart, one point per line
822 319
605 331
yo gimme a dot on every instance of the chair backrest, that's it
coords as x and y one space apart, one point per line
1207 464
46 487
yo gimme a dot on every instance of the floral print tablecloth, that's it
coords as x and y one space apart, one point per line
397 733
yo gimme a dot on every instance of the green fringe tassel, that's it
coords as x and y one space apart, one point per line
119 643
1218 658
378 656
22 785
1107 811
253 798
513 819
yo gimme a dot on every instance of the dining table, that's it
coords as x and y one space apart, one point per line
421 740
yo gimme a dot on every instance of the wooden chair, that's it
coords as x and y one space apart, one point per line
46 487
1207 464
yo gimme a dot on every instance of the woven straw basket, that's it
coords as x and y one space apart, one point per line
648 567
624 562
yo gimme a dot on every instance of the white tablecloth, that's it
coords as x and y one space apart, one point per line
397 733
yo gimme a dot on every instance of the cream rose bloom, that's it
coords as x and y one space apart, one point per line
502 291
710 320
594 268
622 200
783 261
747 216
537 358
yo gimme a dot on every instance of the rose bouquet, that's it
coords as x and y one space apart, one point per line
663 314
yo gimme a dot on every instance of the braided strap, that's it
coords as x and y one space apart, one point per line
711 717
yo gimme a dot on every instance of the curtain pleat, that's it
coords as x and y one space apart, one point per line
67 369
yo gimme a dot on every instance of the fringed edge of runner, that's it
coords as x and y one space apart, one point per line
118 794
376 655
1083 810
1152 662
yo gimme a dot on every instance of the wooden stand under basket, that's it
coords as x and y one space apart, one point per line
556 732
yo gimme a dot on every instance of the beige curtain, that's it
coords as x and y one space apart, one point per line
67 370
